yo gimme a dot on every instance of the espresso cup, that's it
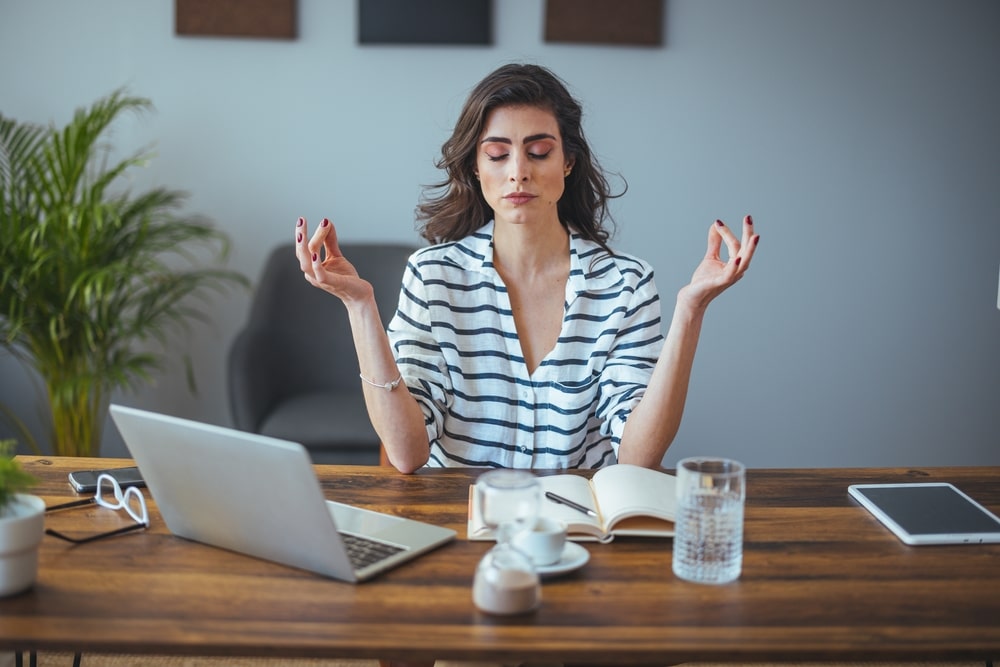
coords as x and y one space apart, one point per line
544 542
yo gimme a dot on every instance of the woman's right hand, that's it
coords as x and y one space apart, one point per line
325 267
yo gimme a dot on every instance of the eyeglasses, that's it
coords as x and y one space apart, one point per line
131 500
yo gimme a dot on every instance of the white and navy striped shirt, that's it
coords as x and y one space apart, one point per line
457 349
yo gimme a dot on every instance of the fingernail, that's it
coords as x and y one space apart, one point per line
749 219
756 240
738 260
315 257
301 222
718 222
326 222
299 237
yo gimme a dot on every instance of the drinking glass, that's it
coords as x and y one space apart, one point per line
509 500
506 581
708 544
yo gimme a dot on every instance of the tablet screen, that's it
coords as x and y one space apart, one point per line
938 512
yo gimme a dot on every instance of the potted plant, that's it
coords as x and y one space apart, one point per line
21 525
94 278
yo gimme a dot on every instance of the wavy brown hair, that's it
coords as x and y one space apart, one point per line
454 208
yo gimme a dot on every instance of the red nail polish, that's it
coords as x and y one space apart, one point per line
718 222
756 240
302 221
315 257
749 219
326 222
299 237
738 260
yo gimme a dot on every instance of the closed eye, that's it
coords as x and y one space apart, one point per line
533 156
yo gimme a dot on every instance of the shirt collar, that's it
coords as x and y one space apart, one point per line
592 268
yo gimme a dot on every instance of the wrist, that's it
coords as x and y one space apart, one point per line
362 308
388 386
689 306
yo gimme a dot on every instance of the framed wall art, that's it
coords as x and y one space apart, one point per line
425 22
624 22
268 19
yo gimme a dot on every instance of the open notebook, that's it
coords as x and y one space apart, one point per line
259 496
620 499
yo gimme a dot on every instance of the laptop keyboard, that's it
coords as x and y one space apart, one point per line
364 551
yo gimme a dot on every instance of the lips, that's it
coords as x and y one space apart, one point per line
518 198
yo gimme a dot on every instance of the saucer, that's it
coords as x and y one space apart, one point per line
574 557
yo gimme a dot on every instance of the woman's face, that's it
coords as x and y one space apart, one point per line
521 165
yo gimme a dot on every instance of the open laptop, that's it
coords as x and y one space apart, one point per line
259 496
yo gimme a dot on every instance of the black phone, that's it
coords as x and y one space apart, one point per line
85 481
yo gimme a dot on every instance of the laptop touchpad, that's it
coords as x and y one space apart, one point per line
361 521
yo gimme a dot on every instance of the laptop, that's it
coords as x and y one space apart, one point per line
259 496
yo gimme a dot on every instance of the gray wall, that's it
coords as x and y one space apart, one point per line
862 135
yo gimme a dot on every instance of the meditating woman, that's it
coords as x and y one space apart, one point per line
522 339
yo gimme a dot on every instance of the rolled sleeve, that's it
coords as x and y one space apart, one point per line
418 353
631 360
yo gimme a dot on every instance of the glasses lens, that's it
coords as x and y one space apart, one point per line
135 504
109 493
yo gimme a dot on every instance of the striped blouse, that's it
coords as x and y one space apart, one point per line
454 339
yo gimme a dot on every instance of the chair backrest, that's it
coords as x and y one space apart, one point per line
309 346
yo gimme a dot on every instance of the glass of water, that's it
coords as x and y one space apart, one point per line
708 544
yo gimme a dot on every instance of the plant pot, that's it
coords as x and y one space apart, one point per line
22 525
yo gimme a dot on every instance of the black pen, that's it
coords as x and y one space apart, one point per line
569 503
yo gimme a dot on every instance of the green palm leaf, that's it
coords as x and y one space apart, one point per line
93 274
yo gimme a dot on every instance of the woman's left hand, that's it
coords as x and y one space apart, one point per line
714 276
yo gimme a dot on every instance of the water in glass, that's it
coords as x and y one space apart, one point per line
708 544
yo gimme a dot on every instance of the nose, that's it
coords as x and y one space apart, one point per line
520 168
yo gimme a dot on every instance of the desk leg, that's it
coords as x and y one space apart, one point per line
33 659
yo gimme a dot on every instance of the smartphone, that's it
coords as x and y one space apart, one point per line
928 513
85 481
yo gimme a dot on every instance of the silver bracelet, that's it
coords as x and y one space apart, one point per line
388 386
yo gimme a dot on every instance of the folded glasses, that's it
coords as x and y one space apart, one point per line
109 494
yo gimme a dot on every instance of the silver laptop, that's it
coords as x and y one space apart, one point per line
259 496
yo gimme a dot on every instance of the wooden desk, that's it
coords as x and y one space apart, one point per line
821 581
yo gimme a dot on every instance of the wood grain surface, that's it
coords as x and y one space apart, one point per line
822 580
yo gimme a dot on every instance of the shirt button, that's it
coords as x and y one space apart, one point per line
524 450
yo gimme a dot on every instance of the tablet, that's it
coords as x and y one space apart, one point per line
928 513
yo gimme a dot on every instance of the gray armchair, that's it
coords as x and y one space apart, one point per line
293 370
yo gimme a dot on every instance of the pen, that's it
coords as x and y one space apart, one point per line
569 503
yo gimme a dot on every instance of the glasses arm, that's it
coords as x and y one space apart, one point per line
92 538
72 503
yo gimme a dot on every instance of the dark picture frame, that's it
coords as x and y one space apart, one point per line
622 22
267 19
467 22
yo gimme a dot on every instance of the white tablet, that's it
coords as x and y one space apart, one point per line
928 513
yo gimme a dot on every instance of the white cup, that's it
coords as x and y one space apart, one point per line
544 543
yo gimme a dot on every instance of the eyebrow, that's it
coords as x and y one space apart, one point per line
527 140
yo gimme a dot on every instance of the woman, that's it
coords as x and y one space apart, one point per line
521 339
